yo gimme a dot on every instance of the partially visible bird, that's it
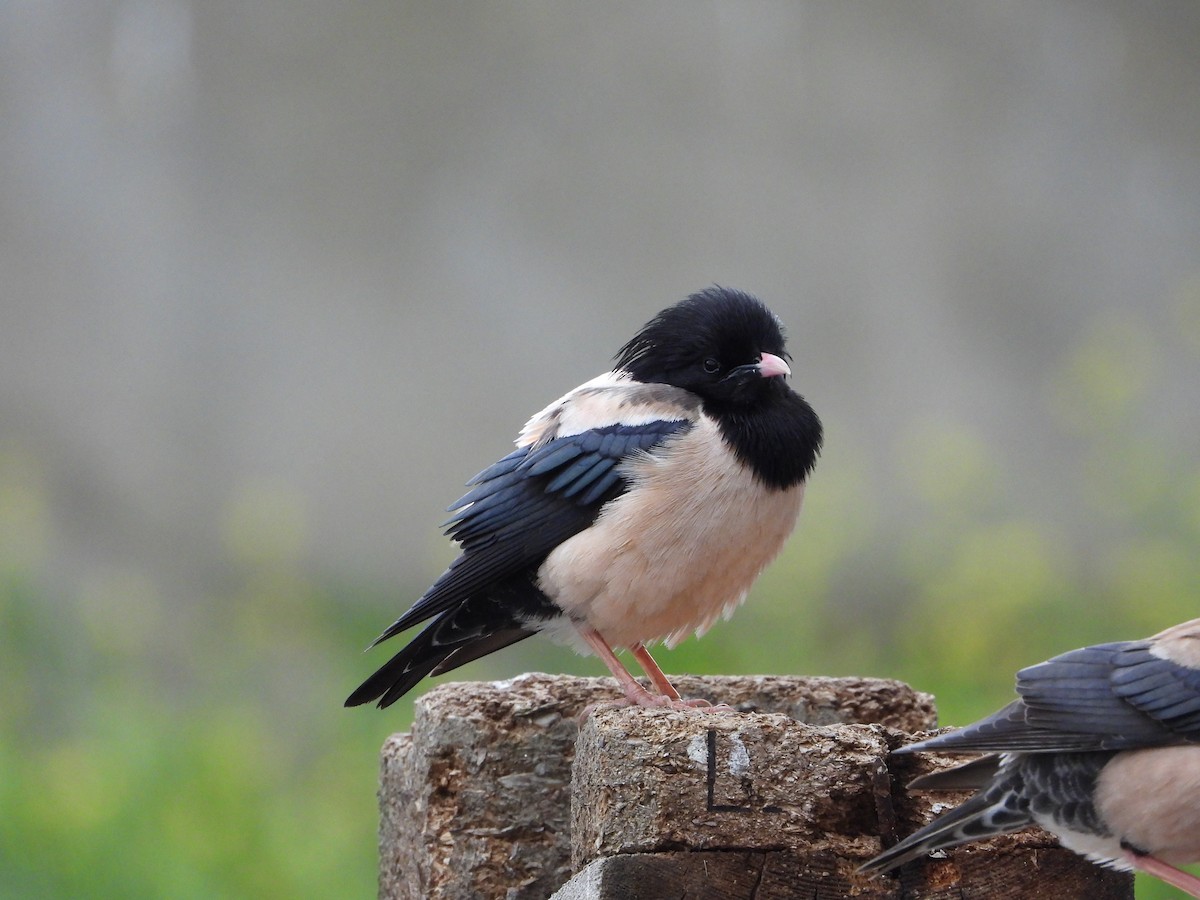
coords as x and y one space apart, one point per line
638 507
1102 749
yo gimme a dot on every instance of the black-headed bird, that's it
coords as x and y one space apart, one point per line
639 507
1102 749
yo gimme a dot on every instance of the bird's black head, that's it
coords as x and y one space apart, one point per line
712 344
726 347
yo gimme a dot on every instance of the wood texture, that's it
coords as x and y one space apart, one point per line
1051 874
801 806
782 796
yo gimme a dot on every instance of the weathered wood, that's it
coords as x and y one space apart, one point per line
789 874
649 781
476 802
801 806
652 876
481 799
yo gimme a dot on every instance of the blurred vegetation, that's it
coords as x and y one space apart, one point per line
150 748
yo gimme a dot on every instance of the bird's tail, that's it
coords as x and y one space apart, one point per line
998 810
969 776
450 641
400 674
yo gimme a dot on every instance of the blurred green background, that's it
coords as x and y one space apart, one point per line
280 276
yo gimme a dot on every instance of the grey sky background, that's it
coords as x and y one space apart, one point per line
323 260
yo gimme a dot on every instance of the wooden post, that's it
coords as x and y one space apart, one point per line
760 806
480 800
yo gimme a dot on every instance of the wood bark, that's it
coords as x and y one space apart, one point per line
760 806
782 796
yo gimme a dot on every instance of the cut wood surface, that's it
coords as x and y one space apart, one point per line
782 796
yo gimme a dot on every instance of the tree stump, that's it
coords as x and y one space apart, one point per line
762 807
498 793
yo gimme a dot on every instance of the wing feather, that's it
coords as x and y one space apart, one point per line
1115 696
528 503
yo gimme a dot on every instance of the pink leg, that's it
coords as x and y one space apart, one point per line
1185 881
646 661
637 694
650 667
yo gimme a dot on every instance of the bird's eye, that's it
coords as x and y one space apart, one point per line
712 366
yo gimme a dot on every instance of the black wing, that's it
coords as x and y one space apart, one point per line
1116 696
528 503
1166 692
970 776
520 509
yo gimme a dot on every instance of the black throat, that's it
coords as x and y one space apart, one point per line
778 438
